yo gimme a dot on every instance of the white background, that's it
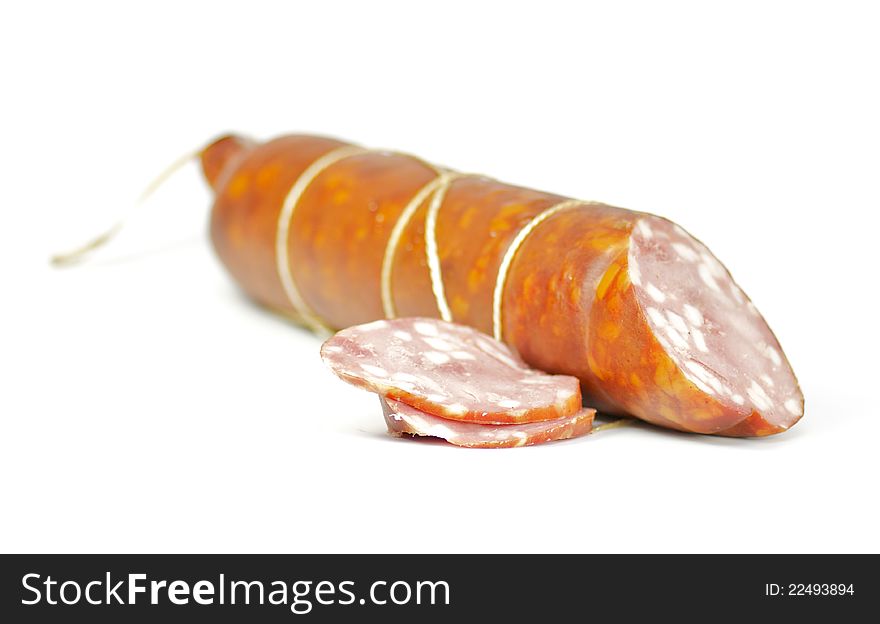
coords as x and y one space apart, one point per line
147 406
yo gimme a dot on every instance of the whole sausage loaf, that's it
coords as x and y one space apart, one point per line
642 313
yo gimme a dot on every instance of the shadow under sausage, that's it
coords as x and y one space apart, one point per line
705 438
404 439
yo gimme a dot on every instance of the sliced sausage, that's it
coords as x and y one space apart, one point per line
405 419
449 370
645 317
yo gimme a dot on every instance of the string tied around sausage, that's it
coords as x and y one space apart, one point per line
444 178
513 248
282 233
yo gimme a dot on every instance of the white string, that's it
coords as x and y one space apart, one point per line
431 251
403 220
82 252
614 424
504 268
282 257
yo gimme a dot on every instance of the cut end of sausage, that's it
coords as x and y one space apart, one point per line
449 370
711 330
405 419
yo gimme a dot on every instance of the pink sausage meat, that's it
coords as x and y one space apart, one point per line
449 371
404 419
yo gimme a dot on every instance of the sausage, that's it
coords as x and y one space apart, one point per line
647 319
449 371
403 419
